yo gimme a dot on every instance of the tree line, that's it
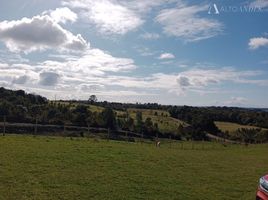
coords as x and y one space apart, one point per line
18 106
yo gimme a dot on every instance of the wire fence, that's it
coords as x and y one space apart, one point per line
120 135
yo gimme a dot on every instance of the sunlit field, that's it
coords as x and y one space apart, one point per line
80 168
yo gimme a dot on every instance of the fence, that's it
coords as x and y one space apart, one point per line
103 133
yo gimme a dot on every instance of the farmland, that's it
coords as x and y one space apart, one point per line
166 123
232 127
43 167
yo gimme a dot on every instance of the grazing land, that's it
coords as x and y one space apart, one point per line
232 127
165 123
78 168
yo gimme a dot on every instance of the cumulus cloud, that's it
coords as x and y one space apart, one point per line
166 56
49 78
38 33
78 77
62 15
259 4
183 81
98 61
20 80
186 23
110 17
257 42
202 78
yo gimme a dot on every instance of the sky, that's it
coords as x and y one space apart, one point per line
178 52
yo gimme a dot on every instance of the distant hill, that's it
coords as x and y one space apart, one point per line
149 119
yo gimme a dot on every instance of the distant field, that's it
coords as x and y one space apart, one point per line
165 123
231 127
60 168
162 118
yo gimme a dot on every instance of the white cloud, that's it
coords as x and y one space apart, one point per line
100 61
166 56
110 17
20 79
237 101
62 15
185 23
78 77
202 78
150 36
144 51
145 6
255 43
37 34
259 4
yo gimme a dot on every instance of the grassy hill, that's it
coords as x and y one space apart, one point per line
166 123
232 127
61 168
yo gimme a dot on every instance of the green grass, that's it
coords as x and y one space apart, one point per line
231 127
61 168
165 123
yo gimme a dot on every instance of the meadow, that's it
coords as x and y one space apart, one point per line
232 127
44 167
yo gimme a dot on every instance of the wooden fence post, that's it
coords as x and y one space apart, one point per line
126 136
35 127
108 131
4 129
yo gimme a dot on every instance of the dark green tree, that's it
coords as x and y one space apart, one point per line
139 122
109 119
4 112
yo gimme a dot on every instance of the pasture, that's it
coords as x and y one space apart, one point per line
43 167
232 127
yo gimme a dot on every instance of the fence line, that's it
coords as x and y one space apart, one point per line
68 130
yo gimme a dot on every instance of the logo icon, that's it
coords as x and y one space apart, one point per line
213 9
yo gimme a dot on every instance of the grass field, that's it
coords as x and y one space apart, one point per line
231 127
165 123
61 168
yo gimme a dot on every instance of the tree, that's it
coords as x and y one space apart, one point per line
148 125
4 111
109 119
93 99
180 132
89 120
80 115
139 122
36 111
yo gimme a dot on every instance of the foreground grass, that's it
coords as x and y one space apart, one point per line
61 168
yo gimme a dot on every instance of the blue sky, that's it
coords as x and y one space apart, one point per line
180 52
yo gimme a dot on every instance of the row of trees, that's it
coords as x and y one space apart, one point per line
254 117
249 135
17 106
